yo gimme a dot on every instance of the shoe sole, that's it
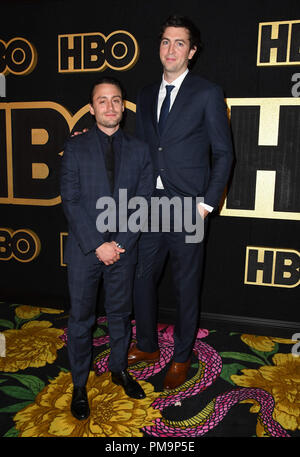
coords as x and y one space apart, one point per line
79 417
134 362
130 396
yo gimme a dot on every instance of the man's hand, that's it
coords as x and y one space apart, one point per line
109 253
202 211
79 133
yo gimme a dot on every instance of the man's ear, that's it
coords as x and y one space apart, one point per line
92 110
192 52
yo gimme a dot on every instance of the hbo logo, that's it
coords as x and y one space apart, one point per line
18 56
23 245
94 51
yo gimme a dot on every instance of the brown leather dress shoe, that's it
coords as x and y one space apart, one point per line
135 356
176 374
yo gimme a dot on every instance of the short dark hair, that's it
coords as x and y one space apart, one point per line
106 80
176 20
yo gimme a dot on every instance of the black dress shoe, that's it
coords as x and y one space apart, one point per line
80 405
130 386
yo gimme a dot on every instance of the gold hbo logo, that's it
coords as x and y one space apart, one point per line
18 57
272 267
83 52
278 43
22 245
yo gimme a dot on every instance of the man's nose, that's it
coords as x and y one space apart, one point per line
110 105
171 48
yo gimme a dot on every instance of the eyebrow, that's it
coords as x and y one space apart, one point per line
176 39
105 96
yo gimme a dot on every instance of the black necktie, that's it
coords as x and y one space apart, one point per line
165 108
110 163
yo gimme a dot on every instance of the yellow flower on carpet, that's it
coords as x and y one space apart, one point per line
33 345
264 343
282 381
29 312
113 414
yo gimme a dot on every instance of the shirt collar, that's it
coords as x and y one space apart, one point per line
103 136
177 82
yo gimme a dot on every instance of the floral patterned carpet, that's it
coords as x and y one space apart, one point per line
239 385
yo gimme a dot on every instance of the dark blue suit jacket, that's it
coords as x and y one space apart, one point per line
84 180
194 154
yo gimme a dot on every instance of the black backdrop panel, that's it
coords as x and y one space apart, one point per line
52 51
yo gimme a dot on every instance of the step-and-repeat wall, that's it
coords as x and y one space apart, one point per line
50 54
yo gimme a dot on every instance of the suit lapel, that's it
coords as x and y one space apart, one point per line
97 159
121 168
154 100
181 99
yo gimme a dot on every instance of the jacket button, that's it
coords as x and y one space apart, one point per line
160 149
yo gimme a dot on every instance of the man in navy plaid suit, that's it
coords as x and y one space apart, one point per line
91 169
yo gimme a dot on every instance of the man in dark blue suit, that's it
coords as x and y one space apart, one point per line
92 168
184 120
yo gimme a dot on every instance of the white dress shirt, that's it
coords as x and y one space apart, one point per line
161 95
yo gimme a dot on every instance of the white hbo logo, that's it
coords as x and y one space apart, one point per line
296 347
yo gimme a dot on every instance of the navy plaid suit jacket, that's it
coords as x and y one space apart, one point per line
84 180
